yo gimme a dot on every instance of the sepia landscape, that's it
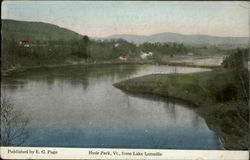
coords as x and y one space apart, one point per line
149 75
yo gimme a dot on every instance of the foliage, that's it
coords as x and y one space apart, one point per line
13 125
80 47
35 31
237 59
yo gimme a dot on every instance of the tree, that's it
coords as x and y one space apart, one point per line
237 59
83 48
85 39
80 48
13 125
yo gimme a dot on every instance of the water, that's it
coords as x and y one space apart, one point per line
77 106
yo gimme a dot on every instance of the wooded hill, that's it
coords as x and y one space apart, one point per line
35 31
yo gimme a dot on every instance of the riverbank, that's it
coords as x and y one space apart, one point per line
195 60
19 68
218 95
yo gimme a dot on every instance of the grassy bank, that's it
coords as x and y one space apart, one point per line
220 95
184 64
21 68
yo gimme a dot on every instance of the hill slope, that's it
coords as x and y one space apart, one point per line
181 38
19 30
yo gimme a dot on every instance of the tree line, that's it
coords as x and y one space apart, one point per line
58 51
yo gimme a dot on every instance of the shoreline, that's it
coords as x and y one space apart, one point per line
19 69
149 95
187 104
178 87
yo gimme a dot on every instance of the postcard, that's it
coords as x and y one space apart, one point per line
125 80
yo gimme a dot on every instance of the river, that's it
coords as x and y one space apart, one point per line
77 106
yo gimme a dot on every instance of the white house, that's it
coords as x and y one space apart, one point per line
116 45
146 55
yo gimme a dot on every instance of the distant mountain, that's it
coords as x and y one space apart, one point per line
181 38
23 30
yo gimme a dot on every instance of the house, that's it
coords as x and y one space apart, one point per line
24 43
146 55
122 57
116 45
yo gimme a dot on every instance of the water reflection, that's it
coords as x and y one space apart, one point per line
171 109
77 106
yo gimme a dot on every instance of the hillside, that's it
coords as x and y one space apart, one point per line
19 30
181 38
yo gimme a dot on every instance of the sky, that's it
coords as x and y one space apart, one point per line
104 18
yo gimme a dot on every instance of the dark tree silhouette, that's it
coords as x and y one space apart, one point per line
237 59
83 47
13 125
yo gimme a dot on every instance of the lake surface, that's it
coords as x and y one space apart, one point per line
77 106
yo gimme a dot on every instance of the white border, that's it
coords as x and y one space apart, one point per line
108 153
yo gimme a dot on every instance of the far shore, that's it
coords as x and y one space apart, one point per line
185 62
